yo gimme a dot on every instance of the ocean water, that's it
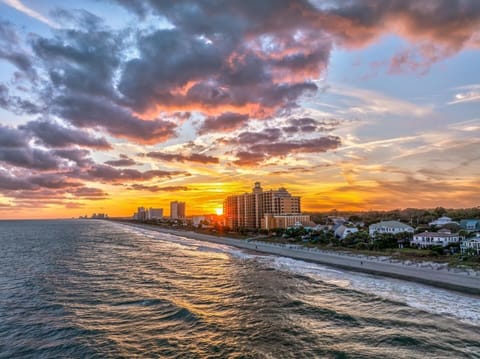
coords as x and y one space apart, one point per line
97 289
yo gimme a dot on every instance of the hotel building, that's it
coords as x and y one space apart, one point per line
177 210
263 209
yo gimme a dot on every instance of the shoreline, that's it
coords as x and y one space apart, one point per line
466 282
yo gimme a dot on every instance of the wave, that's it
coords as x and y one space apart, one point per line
447 303
429 299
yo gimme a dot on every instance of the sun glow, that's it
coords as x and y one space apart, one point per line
219 211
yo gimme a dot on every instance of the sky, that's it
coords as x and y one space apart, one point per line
353 105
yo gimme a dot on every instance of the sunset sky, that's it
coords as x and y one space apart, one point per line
356 105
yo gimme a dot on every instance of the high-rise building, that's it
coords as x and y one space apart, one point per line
249 209
141 214
177 210
155 213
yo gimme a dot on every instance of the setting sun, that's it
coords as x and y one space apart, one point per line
219 211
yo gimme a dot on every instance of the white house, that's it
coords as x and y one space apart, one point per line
343 231
429 239
392 227
196 220
442 221
471 244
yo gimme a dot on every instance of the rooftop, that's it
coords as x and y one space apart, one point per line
391 224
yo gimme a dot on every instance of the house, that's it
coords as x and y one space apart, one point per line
470 224
343 231
441 222
470 245
391 227
430 239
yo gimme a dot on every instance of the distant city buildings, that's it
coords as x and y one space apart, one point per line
155 213
263 209
391 227
144 214
99 216
177 210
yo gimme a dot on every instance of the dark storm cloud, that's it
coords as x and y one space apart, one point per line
89 193
80 156
53 181
308 125
245 158
11 137
123 161
81 61
224 123
31 158
16 104
90 112
55 135
110 174
25 181
141 187
81 64
321 144
257 152
194 157
250 138
11 50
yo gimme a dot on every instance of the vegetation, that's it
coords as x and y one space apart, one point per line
414 216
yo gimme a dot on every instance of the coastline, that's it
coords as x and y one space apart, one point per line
462 281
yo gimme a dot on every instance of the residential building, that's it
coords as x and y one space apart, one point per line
343 231
470 224
430 239
177 210
249 209
391 227
439 222
272 221
196 220
470 245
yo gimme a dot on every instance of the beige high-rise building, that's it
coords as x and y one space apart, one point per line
177 210
249 209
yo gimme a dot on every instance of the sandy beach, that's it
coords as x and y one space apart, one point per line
429 273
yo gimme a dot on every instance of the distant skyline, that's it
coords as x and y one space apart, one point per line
108 105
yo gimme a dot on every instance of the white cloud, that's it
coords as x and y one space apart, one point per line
363 102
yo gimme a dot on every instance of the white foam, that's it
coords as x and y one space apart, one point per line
423 297
430 299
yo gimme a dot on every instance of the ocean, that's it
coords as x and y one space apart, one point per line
98 289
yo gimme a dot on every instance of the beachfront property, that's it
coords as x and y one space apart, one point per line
430 239
140 214
144 214
390 227
155 213
271 221
197 220
439 222
470 224
177 210
470 245
248 210
343 231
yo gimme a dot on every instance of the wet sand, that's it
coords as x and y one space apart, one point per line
428 273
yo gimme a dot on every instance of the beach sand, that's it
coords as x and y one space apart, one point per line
428 273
